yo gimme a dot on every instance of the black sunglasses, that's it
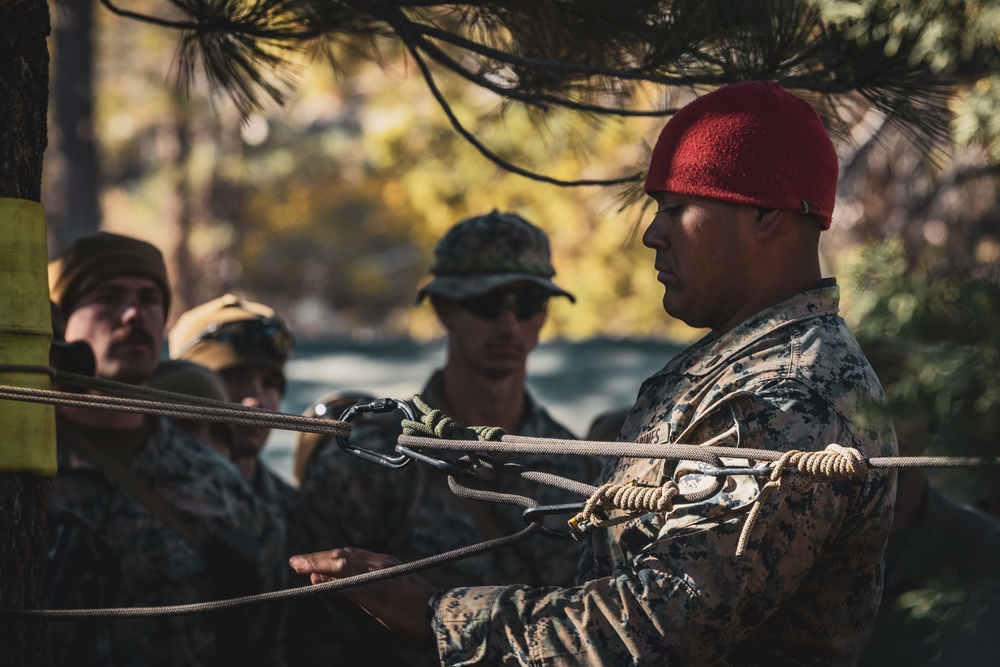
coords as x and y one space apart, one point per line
526 302
262 333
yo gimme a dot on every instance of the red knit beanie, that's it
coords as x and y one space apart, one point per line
751 143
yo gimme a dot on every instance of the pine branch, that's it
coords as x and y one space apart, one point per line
584 55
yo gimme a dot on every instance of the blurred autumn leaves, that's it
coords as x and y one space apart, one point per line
328 207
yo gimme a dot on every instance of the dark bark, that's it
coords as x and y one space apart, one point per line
24 62
24 96
71 198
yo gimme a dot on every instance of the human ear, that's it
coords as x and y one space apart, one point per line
767 222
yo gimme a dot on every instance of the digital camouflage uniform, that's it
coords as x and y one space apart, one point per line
272 489
411 513
157 566
669 589
941 603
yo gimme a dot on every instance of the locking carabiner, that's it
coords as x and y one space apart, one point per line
379 405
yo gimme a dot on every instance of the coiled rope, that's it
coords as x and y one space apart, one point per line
799 471
635 500
435 423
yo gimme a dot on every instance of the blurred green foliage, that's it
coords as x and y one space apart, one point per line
951 316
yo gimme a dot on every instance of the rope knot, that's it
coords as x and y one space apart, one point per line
436 424
799 471
635 500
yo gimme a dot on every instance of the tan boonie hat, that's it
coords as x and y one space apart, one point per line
229 331
484 252
92 259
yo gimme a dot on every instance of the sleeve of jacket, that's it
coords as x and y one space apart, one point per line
676 590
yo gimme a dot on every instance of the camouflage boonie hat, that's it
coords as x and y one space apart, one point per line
484 252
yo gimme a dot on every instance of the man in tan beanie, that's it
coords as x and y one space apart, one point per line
177 522
247 344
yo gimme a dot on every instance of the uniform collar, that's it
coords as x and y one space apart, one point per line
710 352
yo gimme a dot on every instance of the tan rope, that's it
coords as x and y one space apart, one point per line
120 397
804 469
634 499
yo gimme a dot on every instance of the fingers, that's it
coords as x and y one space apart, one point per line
339 563
329 563
400 604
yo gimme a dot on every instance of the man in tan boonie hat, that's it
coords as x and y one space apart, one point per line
247 344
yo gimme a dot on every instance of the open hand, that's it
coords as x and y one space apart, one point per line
400 603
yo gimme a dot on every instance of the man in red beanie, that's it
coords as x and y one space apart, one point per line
744 180
142 514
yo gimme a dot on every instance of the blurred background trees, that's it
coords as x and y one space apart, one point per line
327 206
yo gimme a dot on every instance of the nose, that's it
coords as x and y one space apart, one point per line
507 320
132 311
655 235
253 397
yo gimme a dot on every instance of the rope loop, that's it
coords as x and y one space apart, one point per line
799 471
635 500
435 423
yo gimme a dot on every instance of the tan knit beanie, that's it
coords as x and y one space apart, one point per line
93 259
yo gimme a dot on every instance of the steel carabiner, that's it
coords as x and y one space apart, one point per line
379 405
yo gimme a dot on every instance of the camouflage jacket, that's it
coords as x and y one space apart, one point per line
669 589
411 513
273 490
156 566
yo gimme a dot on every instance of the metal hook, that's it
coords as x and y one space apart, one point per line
537 515
446 466
379 405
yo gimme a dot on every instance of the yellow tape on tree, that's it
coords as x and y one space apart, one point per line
27 430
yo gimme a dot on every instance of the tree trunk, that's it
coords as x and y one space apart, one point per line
72 206
24 63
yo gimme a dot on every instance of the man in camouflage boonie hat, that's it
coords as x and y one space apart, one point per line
744 180
186 377
490 290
